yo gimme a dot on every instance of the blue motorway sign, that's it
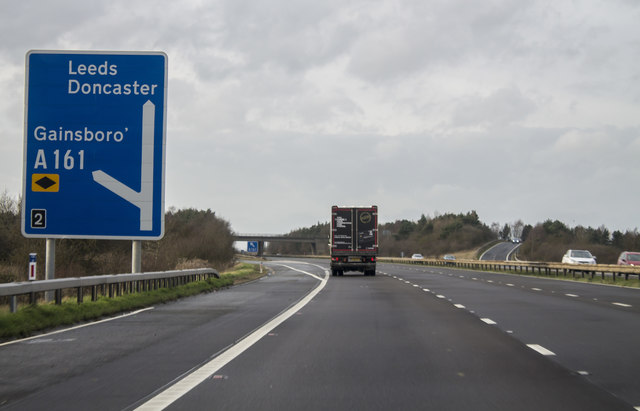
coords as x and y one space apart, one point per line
252 246
94 145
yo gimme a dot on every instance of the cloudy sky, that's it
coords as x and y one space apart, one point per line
279 109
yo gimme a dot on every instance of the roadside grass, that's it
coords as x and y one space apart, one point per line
30 319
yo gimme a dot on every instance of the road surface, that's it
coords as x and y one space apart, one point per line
411 337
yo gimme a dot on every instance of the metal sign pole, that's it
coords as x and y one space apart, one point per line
136 256
50 264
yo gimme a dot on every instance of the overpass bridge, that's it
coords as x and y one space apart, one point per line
275 238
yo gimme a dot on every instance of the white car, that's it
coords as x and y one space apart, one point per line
578 257
417 257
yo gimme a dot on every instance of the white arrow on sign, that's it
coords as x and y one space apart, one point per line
143 199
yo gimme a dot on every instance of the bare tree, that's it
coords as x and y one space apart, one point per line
495 228
516 229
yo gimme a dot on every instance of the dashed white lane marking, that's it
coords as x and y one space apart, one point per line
489 321
416 285
585 373
76 327
572 295
622 305
510 285
540 349
536 289
459 306
440 296
426 289
183 386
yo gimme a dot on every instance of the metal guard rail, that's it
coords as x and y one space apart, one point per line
527 267
116 284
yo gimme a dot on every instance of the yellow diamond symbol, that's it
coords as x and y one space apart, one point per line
45 182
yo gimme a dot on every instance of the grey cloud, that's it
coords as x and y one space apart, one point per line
294 35
503 107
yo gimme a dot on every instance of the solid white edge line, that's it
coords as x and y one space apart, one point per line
540 349
174 392
76 327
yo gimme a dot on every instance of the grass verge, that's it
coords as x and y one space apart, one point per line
34 318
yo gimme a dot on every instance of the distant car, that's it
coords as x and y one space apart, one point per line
449 259
417 257
629 258
578 257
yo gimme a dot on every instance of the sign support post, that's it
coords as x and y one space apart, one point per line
50 264
136 256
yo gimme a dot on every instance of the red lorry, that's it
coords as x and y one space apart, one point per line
354 239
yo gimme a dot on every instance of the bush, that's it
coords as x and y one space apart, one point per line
190 235
433 236
550 240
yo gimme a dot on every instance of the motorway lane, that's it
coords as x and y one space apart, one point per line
113 365
379 343
592 329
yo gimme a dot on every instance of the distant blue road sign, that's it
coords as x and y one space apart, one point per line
94 145
252 246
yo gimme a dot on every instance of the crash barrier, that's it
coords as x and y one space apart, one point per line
111 285
529 267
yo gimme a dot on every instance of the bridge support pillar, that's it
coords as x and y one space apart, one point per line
260 248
